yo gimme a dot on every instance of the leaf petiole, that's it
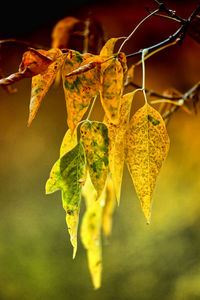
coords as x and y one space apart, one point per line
144 52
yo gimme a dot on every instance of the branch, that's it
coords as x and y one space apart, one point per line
25 43
152 93
178 36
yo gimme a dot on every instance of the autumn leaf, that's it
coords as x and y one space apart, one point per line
79 89
42 82
95 140
91 230
116 135
147 145
33 62
62 30
108 50
69 142
108 207
90 64
112 89
66 175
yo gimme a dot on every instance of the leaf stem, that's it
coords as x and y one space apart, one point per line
91 109
144 52
134 30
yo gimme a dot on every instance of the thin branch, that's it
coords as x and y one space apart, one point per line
153 93
25 43
177 36
130 35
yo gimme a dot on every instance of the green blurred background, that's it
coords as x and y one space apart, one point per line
140 262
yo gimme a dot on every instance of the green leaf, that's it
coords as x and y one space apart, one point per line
95 141
66 175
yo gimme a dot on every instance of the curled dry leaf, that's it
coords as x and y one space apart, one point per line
147 145
42 82
33 62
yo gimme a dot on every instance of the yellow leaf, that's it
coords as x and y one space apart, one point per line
108 208
147 145
116 135
107 51
69 142
91 230
42 82
111 89
108 48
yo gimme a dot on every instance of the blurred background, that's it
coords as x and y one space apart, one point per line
140 262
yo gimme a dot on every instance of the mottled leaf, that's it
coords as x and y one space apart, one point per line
95 141
147 145
108 208
42 82
66 175
116 135
111 89
79 89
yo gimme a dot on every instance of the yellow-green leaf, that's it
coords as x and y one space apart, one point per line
112 89
42 82
116 135
108 208
91 230
79 89
66 175
95 141
147 145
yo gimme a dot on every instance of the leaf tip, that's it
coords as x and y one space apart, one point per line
74 251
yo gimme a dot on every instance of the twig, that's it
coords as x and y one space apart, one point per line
130 35
177 36
153 93
25 43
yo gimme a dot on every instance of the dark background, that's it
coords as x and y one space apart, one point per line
140 262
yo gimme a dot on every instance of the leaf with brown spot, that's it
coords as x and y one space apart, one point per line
42 82
147 145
